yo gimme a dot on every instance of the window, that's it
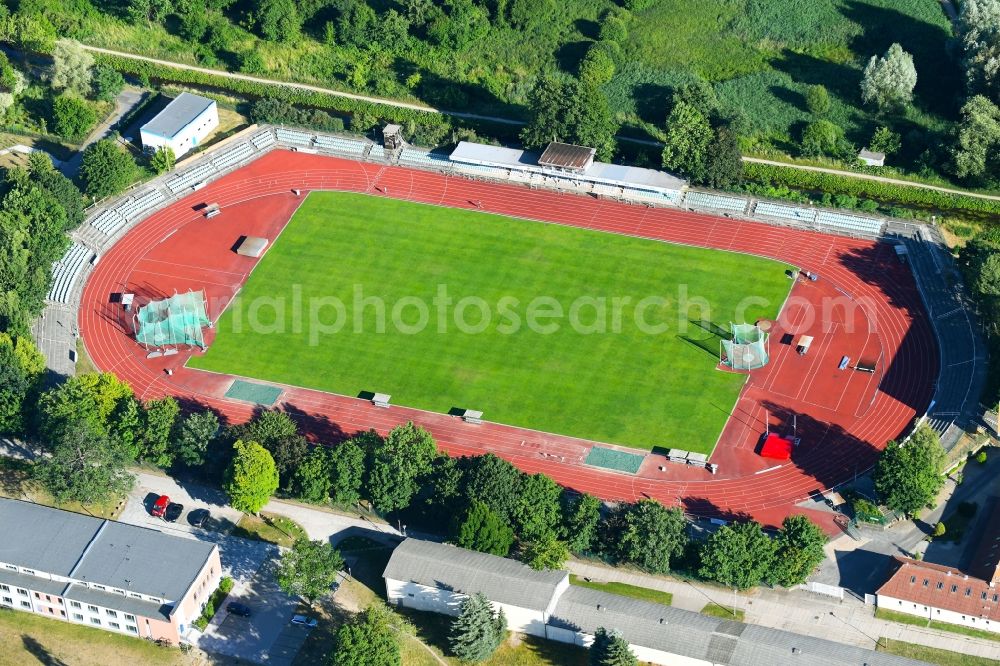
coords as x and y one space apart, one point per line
95 620
926 582
38 596
12 567
115 625
111 613
4 588
119 591
968 591
954 588
913 579
63 613
48 598
130 618
100 587
136 595
77 617
26 604
995 597
93 609
28 571
23 593
131 629
940 585
8 600
75 604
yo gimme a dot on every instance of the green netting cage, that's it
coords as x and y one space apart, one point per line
747 348
177 320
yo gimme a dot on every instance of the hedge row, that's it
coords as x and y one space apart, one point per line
860 187
253 90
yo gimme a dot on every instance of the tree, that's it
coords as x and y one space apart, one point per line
536 513
614 28
58 186
397 462
610 649
279 20
347 470
977 141
908 474
148 10
251 477
798 551
356 22
106 83
888 81
821 137
581 516
737 555
34 32
21 368
570 111
494 482
597 67
159 418
277 432
696 93
106 169
544 552
483 530
979 36
478 630
688 137
87 400
884 140
723 161
72 116
192 435
309 569
163 159
71 67
367 640
311 480
85 466
818 100
652 534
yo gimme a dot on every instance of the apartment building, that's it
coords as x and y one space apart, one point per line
103 573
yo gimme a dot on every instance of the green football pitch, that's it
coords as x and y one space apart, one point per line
454 309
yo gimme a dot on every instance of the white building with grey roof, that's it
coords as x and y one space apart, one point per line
438 577
182 125
102 573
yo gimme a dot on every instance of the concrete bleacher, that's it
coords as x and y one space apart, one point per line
648 196
795 213
850 223
263 140
341 145
483 170
716 202
113 219
294 137
66 271
233 156
419 157
191 177
377 152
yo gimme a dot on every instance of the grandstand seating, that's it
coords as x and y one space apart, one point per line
662 198
483 170
294 137
377 152
66 271
603 190
419 157
263 140
707 200
191 177
233 156
341 145
851 223
796 213
113 219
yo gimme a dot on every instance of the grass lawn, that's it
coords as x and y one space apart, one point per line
269 527
904 618
625 385
30 639
725 612
932 655
625 590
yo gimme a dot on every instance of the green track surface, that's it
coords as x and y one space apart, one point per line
629 387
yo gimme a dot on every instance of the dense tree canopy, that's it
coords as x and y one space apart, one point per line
192 435
347 470
979 35
368 639
976 152
567 110
90 400
581 516
309 569
651 535
888 81
71 67
21 369
738 555
686 144
483 530
251 477
909 474
311 479
106 169
798 551
397 464
610 649
85 466
73 117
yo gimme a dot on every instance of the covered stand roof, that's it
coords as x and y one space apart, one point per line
567 156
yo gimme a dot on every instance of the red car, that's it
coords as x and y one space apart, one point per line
160 506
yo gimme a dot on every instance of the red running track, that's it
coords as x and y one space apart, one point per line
865 305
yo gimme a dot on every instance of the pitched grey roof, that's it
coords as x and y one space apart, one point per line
86 595
54 549
177 115
456 569
697 636
100 551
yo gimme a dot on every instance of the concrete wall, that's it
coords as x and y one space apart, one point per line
189 607
938 614
189 137
420 597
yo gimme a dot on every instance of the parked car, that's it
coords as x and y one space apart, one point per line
173 512
160 506
236 608
304 621
199 517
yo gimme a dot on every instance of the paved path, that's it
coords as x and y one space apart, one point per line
880 179
125 102
305 86
797 611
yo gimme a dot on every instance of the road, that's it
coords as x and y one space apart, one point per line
125 102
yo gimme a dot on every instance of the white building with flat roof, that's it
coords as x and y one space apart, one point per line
182 125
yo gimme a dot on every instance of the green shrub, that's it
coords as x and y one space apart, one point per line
939 530
981 457
226 585
866 511
72 117
818 100
613 28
